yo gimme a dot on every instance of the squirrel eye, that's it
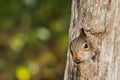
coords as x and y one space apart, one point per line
86 46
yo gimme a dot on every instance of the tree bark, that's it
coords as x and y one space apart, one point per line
100 20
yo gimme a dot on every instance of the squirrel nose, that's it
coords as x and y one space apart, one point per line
78 59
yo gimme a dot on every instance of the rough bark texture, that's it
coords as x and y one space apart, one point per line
100 20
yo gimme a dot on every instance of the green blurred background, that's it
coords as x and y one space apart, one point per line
33 39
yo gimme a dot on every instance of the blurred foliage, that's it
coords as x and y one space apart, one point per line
33 39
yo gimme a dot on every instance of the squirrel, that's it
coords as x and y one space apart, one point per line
81 48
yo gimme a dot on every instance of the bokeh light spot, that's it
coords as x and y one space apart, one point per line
17 42
22 73
43 33
34 68
29 2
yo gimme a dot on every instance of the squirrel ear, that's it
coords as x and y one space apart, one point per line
82 34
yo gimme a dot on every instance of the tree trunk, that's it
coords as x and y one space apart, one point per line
100 20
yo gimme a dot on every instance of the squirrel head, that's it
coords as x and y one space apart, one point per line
81 49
